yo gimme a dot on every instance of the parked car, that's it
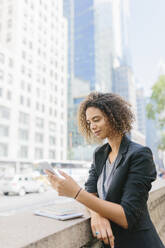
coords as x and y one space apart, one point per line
21 184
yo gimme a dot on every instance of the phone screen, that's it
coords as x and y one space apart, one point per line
47 166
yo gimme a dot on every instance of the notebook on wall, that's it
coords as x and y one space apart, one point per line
62 214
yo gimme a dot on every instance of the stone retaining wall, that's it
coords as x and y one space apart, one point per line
26 230
156 206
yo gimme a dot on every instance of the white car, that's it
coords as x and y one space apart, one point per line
21 184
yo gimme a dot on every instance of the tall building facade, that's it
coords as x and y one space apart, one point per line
123 82
84 49
81 60
33 80
99 54
141 112
104 44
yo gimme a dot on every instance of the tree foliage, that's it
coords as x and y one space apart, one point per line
156 107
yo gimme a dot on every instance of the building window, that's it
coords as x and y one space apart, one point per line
10 62
10 79
28 102
56 88
52 140
39 122
43 108
22 85
37 106
9 23
55 113
8 37
1 75
1 92
10 10
3 150
52 126
21 100
4 113
62 116
23 152
29 87
50 98
62 155
38 92
23 69
23 54
24 118
50 111
29 73
2 58
38 153
9 95
4 131
52 154
23 134
62 142
39 137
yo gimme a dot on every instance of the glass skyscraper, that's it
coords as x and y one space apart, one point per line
84 49
80 15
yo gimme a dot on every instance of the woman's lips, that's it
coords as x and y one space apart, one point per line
97 133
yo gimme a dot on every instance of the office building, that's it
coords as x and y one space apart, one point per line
33 80
104 44
141 112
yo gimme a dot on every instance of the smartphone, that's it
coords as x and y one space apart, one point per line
47 166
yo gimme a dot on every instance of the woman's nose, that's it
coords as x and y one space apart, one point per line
93 126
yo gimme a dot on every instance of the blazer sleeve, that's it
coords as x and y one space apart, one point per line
141 173
91 183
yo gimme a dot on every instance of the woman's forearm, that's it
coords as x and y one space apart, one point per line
90 210
107 209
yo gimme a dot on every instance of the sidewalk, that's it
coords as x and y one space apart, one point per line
159 183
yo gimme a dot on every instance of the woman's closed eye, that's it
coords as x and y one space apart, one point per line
89 123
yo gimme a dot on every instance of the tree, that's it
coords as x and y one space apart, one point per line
156 107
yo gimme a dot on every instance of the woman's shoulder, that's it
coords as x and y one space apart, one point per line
136 148
102 148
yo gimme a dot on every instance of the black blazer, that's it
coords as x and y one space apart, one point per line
131 182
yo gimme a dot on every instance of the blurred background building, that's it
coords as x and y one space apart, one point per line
33 80
99 59
52 54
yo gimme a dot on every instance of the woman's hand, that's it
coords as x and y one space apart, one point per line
101 229
65 186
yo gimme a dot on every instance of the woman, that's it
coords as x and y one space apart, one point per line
120 177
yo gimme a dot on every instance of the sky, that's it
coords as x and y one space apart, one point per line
147 40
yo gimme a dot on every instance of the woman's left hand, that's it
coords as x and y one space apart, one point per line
65 187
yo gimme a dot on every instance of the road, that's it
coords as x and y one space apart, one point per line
9 205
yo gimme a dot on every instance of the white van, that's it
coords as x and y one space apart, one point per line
21 184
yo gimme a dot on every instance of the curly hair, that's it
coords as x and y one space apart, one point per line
114 107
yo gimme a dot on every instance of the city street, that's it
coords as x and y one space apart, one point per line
13 204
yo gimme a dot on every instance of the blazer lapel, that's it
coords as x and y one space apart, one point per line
121 155
101 156
118 160
122 150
